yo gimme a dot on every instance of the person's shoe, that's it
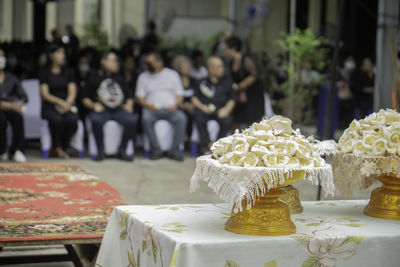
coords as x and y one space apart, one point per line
99 157
4 156
123 156
155 156
175 156
19 157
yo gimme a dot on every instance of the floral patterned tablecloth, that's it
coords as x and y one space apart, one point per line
332 233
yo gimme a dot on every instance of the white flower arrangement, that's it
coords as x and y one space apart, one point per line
376 135
269 143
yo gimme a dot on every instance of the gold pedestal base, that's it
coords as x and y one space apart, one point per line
268 217
385 200
291 197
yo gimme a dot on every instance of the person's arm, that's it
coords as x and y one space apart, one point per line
21 92
72 88
141 93
251 68
197 103
72 91
128 106
178 92
87 101
129 102
226 110
47 96
145 104
179 101
11 106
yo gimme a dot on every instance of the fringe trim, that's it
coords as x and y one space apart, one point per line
327 147
234 184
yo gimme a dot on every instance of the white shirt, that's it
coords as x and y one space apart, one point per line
160 89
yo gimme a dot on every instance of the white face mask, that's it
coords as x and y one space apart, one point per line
3 62
84 67
350 65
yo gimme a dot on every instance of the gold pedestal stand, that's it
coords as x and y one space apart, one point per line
292 199
385 200
268 217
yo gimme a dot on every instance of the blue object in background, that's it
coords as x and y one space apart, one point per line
322 110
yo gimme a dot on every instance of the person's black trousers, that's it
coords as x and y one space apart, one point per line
62 127
201 119
127 120
18 135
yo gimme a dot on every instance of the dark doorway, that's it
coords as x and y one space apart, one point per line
302 14
359 22
39 22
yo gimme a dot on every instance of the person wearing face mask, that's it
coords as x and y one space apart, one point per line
12 98
349 65
58 90
107 97
160 92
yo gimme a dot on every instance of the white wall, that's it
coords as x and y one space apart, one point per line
200 28
6 22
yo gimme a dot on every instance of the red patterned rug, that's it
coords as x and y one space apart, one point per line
53 201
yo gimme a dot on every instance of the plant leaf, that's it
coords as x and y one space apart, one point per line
230 263
123 235
270 264
353 224
174 259
311 262
138 258
144 245
354 238
154 250
131 259
313 224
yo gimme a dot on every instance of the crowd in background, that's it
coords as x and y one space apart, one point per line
137 89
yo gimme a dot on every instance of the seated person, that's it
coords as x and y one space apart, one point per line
214 99
12 98
108 97
160 92
58 90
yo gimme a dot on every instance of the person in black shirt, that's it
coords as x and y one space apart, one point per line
12 98
150 40
250 93
58 90
214 99
108 97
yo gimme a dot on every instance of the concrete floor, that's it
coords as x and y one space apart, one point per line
150 182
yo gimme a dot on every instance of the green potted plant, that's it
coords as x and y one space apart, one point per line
307 55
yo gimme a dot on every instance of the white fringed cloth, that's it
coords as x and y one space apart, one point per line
235 183
353 172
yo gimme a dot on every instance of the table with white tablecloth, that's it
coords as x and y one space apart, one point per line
330 233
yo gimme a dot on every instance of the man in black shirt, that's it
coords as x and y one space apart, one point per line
214 99
12 98
108 97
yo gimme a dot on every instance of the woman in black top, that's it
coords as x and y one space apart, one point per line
250 94
58 89
12 98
